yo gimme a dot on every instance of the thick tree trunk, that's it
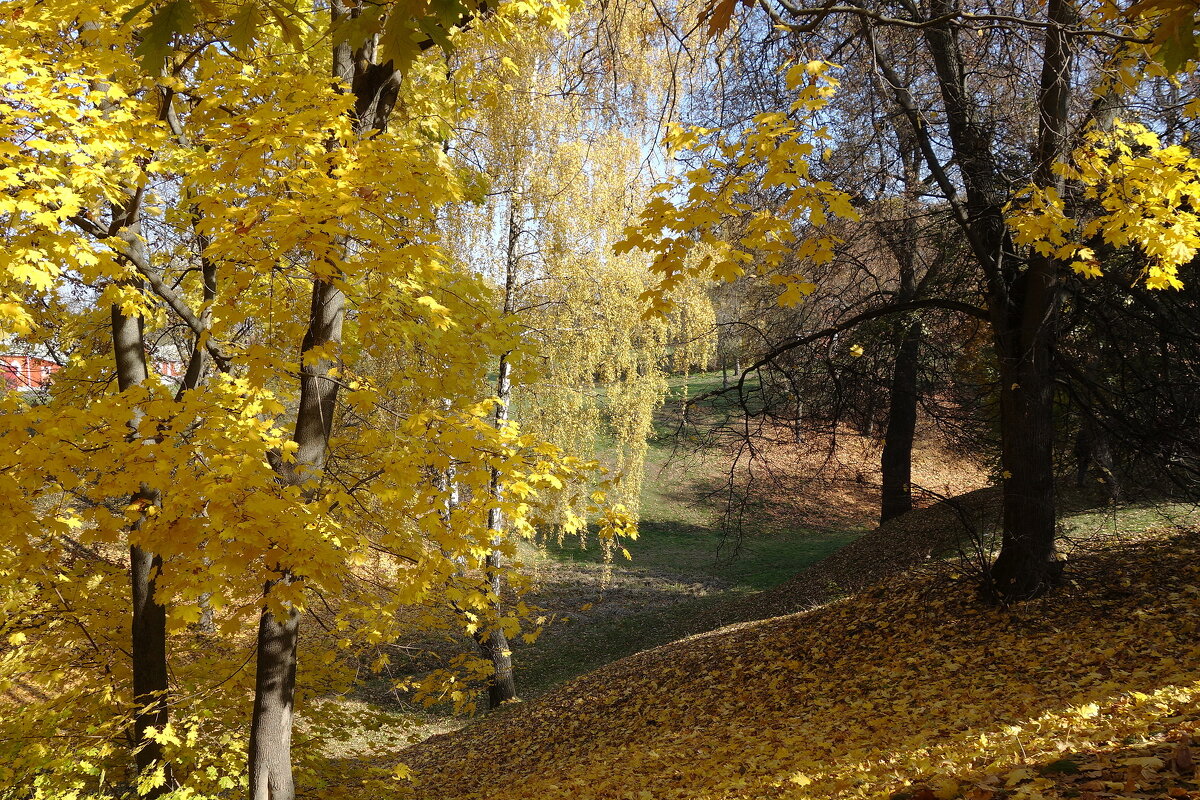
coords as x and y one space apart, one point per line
148 624
1022 297
1025 566
149 651
896 461
274 693
270 761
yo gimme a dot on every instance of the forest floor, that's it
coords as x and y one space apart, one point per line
712 537
802 544
911 689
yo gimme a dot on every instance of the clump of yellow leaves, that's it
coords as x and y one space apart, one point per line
1145 196
703 224
911 690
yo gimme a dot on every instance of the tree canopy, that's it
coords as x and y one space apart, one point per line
422 271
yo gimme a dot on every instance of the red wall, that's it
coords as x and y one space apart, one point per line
29 372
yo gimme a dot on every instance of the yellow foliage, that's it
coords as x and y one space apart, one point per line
258 173
1144 194
698 224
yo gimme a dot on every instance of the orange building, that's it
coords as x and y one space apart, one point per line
26 373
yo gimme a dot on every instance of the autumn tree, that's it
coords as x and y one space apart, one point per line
556 150
268 186
1002 172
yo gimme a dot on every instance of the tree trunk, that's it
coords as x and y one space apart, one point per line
274 693
896 461
270 758
1025 566
902 237
1022 296
149 651
270 761
493 644
148 633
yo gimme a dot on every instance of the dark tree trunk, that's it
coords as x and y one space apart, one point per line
274 693
901 237
1025 566
1022 297
149 651
896 461
148 639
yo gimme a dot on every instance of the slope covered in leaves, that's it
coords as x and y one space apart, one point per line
910 688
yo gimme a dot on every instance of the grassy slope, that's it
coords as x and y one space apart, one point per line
685 567
911 688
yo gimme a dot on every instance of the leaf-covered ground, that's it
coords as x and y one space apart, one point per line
911 688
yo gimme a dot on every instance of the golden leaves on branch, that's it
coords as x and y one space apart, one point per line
701 224
1144 196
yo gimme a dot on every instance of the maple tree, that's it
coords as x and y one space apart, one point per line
405 329
264 190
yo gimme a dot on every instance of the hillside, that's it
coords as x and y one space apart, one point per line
911 688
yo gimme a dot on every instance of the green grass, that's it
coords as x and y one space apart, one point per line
1085 527
751 562
681 528
586 641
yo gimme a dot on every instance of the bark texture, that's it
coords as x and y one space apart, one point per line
274 693
375 90
148 630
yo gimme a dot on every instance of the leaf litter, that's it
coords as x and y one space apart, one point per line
910 690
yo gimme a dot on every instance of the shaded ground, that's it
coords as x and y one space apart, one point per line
696 566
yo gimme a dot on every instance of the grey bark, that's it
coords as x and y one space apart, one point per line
375 90
148 633
270 761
